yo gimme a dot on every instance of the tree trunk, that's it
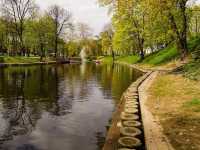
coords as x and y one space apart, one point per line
182 47
22 49
141 48
113 55
181 35
56 46
42 51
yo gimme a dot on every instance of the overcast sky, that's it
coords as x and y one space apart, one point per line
86 11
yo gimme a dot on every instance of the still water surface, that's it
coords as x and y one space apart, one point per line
65 107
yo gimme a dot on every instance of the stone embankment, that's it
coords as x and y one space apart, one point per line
133 126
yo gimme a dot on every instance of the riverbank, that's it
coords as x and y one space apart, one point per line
28 61
176 86
180 119
115 131
23 61
20 59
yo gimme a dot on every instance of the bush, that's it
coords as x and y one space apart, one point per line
1 60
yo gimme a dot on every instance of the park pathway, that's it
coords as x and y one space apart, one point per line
154 137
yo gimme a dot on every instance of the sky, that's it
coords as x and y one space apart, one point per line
86 11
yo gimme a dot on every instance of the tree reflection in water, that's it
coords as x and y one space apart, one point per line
27 93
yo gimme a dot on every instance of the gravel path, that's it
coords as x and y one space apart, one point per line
154 137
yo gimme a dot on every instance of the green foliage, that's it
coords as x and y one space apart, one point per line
33 34
73 48
106 41
150 23
40 34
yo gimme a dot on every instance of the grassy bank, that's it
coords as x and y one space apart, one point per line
20 59
161 57
121 59
179 90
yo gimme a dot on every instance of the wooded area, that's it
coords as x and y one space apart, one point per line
146 26
26 30
137 28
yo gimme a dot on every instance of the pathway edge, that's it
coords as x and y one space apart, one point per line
153 131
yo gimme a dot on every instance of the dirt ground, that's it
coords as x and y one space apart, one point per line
175 101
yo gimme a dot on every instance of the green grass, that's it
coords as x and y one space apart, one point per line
194 104
106 59
193 44
170 53
129 59
192 70
19 59
121 59
162 56
156 58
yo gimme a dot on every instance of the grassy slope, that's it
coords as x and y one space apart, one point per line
162 56
157 58
170 53
166 58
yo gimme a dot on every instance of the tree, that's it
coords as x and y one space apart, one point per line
84 31
176 13
129 24
18 11
106 40
61 19
3 37
149 23
40 35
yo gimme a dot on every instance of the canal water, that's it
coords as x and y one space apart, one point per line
64 107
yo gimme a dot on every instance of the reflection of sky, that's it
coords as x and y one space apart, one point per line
80 126
2 121
74 107
87 11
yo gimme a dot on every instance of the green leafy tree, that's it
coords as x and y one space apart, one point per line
106 41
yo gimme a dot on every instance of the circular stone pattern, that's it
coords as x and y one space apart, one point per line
132 102
130 131
131 97
127 117
131 106
125 149
132 94
131 110
132 124
129 142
